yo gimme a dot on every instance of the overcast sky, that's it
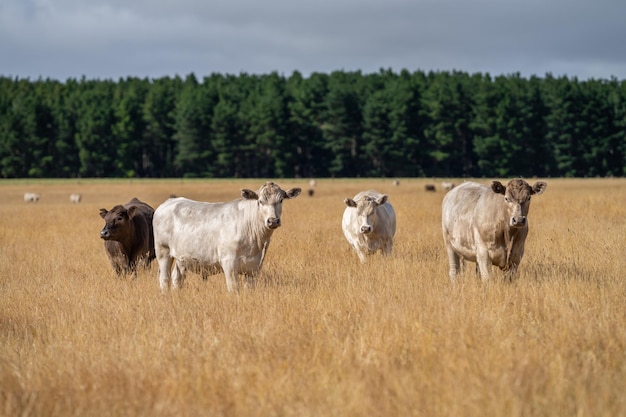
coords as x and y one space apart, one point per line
109 39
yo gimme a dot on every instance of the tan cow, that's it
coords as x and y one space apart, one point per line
487 225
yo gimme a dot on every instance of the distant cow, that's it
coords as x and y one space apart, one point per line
447 186
369 223
75 198
487 225
128 236
430 187
208 238
31 197
310 192
312 183
396 183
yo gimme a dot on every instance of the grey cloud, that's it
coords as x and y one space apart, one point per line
118 38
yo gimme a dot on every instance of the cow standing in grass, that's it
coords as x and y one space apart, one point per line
31 197
487 225
128 237
369 223
208 238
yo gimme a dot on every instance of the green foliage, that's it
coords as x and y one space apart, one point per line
343 124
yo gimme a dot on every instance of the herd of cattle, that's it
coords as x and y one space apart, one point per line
482 224
34 197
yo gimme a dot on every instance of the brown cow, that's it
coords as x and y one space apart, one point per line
487 225
128 236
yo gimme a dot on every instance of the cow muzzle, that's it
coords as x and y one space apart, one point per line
518 221
366 229
273 222
105 234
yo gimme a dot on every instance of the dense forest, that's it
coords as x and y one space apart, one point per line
342 124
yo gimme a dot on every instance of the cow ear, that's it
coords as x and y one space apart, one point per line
132 210
103 212
350 202
497 187
249 194
539 187
382 199
293 193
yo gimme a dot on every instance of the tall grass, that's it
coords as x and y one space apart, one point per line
320 334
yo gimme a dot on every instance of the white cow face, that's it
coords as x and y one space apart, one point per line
270 201
366 212
517 195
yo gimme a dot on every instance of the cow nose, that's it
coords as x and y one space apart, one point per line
518 221
104 233
273 222
366 229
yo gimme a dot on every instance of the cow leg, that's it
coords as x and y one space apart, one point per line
361 253
231 280
454 261
510 271
146 261
119 271
230 272
250 280
165 267
178 275
484 263
387 247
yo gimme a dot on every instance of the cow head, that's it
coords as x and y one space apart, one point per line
270 201
117 222
517 195
366 211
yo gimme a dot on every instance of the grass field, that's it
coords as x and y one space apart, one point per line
321 334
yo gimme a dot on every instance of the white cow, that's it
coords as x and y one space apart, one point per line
75 198
31 197
208 238
487 225
369 223
447 186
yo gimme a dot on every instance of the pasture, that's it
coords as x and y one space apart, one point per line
321 334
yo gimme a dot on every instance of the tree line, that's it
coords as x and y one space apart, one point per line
342 124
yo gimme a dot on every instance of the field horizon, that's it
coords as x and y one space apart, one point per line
320 333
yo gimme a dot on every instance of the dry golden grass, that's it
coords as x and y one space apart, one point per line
321 334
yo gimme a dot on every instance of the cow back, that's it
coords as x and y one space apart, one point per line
469 209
